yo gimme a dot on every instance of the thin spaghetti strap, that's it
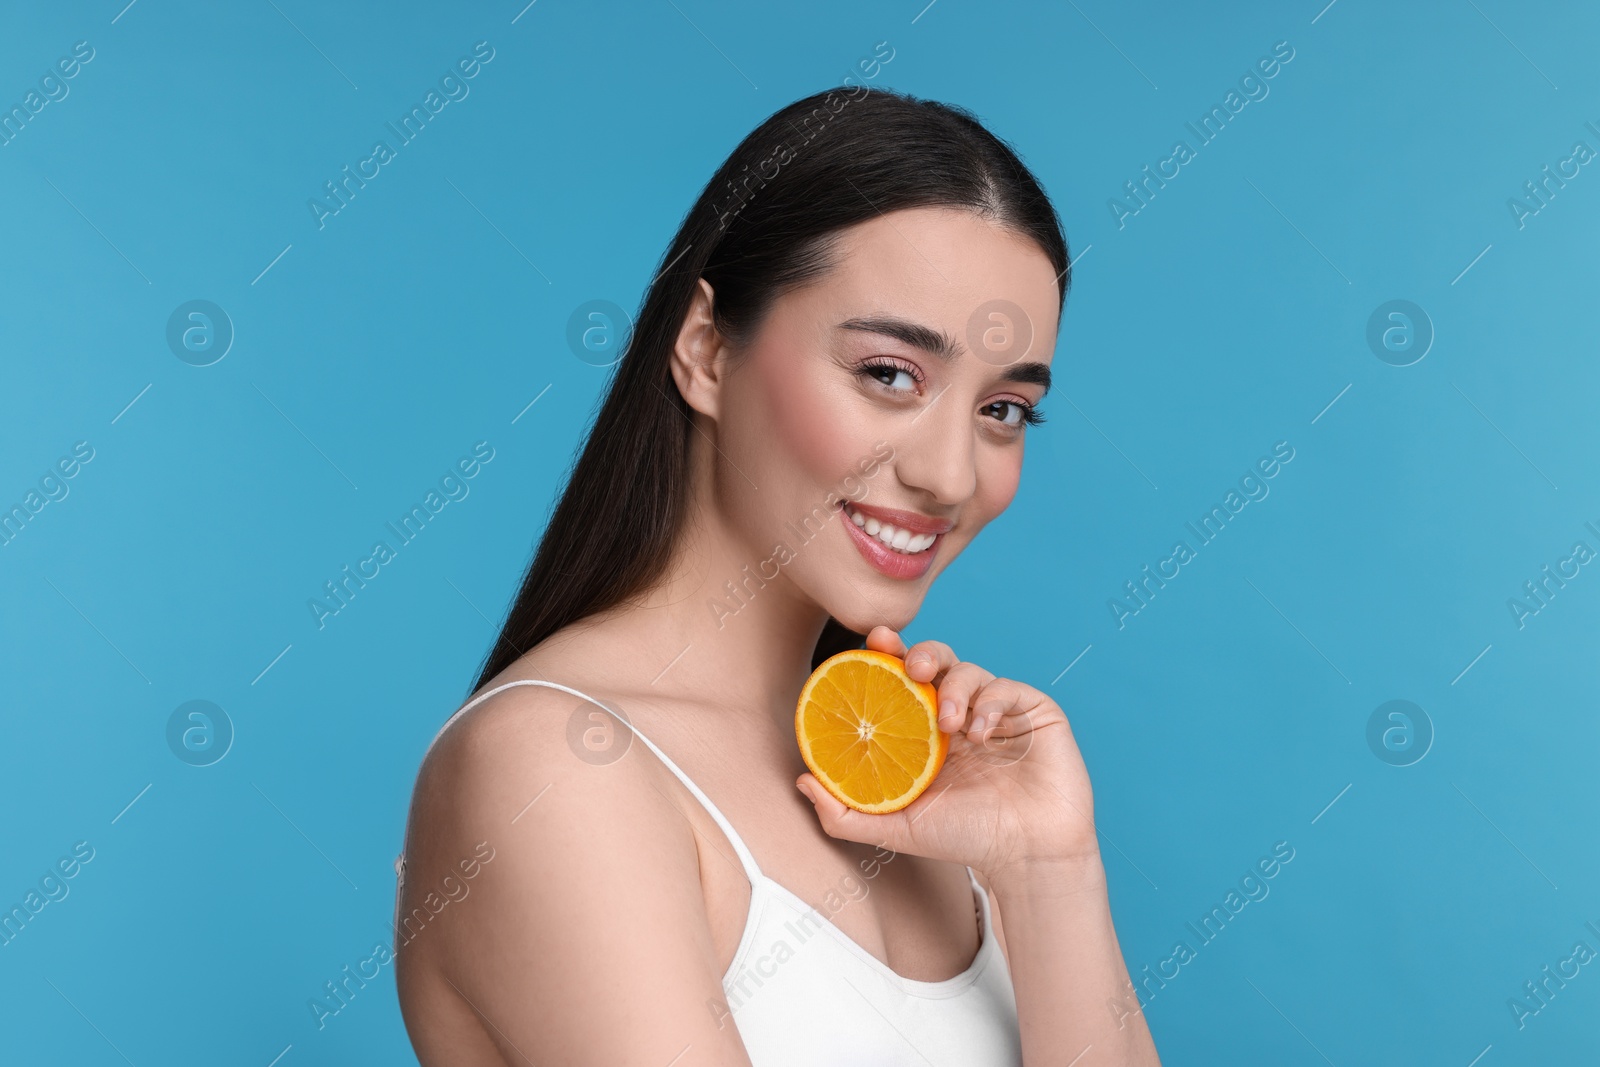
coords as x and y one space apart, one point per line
981 903
748 861
480 698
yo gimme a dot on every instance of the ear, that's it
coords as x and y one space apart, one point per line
699 353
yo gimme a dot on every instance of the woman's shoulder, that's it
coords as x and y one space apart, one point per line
537 774
518 704
585 894
519 731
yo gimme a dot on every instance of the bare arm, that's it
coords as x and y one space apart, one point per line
584 940
1073 991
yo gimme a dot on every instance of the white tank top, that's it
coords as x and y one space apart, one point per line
802 993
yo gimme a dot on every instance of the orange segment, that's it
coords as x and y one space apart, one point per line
869 732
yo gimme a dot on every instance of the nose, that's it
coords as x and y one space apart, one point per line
935 453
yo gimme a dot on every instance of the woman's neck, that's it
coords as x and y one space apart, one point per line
713 623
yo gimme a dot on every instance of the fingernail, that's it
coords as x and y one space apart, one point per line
948 714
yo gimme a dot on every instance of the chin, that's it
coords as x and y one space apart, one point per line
864 607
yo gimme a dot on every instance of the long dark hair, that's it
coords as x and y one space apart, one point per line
760 228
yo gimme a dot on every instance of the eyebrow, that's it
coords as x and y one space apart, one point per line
942 346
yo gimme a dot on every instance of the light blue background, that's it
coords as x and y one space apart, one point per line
1221 319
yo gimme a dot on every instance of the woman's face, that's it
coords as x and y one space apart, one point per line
886 401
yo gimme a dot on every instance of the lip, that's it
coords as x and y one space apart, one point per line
905 520
885 560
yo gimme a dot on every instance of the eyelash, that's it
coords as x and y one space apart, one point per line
872 368
1031 414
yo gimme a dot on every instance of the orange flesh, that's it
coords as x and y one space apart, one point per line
868 732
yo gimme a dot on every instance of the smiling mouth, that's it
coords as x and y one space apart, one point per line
894 538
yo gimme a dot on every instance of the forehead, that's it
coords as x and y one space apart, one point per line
941 266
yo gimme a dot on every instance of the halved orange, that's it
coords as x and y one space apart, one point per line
869 732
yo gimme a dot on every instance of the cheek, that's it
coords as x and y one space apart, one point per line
809 426
999 474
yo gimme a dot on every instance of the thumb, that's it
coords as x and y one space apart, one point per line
886 639
839 820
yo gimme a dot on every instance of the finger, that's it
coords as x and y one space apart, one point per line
992 703
886 639
927 660
960 683
1008 708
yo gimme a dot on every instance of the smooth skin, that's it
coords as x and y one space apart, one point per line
613 906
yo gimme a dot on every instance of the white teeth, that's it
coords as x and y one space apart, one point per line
892 536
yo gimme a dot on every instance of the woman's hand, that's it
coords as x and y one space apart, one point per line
1013 790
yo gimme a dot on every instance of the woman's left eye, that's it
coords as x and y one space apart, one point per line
892 375
1013 413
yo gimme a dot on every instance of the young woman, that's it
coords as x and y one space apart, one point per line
824 399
